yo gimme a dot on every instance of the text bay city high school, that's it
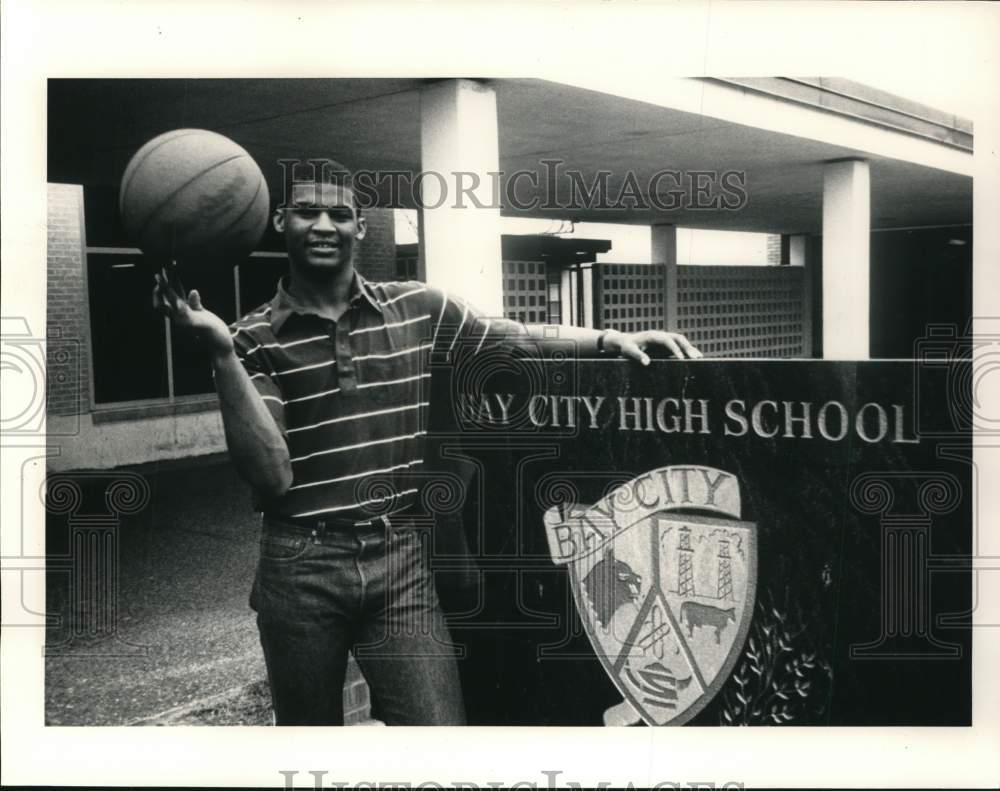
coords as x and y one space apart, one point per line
830 420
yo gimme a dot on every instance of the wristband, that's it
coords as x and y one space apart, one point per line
600 342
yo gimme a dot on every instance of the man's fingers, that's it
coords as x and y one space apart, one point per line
668 340
678 345
660 338
174 279
688 347
631 349
163 286
168 302
175 301
160 302
168 290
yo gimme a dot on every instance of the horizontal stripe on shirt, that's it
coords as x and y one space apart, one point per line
360 445
360 387
286 345
345 418
250 327
353 505
420 348
356 475
403 296
351 396
414 320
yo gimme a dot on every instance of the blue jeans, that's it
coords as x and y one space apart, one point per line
322 593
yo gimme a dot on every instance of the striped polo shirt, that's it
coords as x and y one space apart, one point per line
351 396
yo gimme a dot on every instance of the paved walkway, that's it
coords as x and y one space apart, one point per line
185 648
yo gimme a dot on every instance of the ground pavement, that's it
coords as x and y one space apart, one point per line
181 644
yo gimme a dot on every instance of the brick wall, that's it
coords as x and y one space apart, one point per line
68 371
357 701
377 258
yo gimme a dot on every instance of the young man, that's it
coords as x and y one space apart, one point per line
323 394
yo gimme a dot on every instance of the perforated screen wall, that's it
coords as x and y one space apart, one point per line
726 311
525 293
629 297
744 311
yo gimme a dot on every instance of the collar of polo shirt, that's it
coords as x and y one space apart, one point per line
284 304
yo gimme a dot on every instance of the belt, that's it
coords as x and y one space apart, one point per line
324 523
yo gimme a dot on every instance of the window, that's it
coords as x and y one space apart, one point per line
191 372
137 354
406 267
128 339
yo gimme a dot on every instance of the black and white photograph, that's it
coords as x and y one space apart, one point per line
545 406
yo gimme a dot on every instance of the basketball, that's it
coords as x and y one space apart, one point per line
191 194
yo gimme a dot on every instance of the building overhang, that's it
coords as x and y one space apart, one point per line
778 133
538 247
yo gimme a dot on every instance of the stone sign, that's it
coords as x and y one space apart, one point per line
738 542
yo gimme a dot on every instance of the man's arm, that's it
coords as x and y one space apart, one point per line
456 318
255 442
612 342
256 445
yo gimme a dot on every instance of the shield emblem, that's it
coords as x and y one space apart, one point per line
664 576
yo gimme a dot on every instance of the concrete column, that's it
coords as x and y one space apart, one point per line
846 231
587 295
566 298
797 250
421 252
459 141
663 251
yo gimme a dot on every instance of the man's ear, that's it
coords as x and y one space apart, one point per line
278 220
362 225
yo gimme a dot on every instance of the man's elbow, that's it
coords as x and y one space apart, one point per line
270 478
278 479
275 486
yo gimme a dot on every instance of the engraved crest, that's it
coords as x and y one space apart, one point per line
664 577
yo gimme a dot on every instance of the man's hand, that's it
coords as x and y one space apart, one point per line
256 444
634 344
209 330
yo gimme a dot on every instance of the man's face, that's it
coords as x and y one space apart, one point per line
320 226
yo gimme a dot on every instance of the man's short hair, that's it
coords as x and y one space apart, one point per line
324 171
